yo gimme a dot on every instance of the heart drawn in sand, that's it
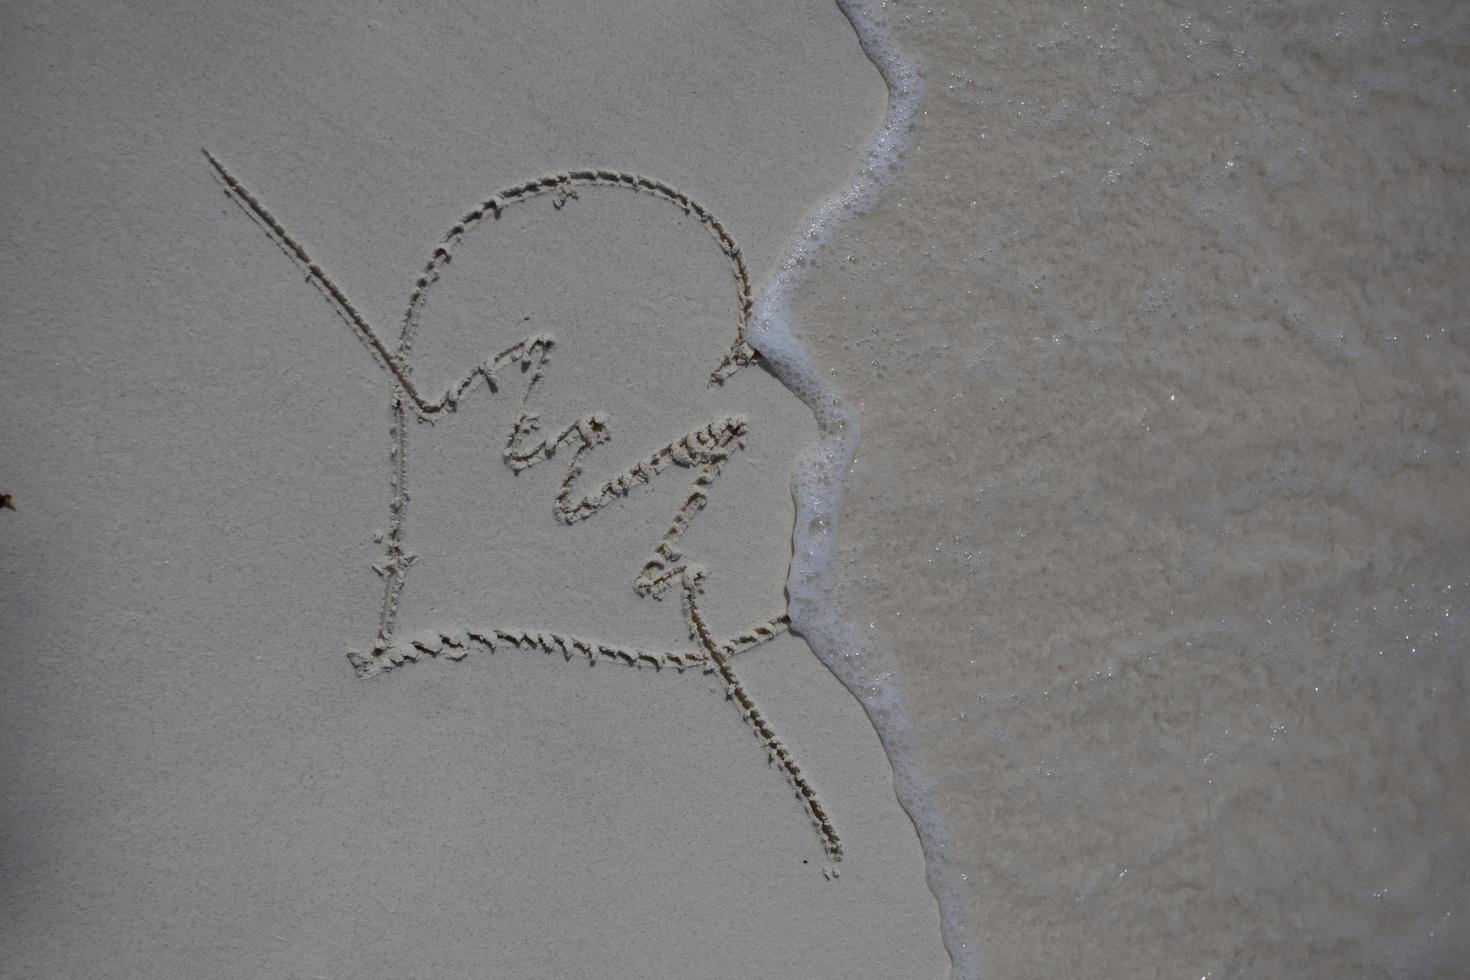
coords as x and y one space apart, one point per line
698 454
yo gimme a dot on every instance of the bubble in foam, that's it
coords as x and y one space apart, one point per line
866 669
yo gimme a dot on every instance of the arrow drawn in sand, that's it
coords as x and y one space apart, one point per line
702 451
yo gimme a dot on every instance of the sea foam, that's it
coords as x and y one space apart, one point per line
864 666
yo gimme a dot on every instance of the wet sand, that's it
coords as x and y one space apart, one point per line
1157 336
1160 350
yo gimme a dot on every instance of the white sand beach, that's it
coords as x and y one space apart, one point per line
424 435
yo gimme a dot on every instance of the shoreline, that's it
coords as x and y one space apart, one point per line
1160 351
866 670
212 468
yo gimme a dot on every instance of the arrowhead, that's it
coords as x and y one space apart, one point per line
392 564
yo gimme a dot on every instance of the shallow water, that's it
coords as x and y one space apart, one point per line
1160 349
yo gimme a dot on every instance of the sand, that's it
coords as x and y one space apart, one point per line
393 593
334 653
1160 347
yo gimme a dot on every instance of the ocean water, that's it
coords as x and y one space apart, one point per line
1157 333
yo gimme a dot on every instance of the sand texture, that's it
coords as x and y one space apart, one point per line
1161 502
402 518
404 491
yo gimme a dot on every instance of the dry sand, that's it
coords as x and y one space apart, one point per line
213 440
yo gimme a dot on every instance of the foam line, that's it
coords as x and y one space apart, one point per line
864 667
